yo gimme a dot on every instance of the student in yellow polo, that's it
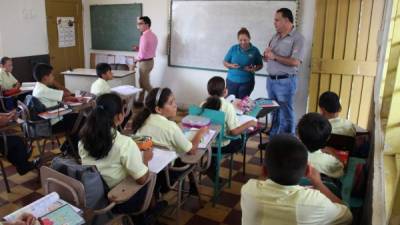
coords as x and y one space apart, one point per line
314 130
50 97
217 91
100 86
329 106
155 120
116 156
7 80
280 200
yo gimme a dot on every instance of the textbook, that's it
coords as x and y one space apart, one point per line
42 207
62 216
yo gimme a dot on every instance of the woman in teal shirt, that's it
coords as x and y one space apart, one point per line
242 61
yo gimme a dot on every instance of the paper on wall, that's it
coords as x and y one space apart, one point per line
66 32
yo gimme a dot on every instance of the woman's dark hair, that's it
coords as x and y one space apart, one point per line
97 134
156 97
212 102
4 60
216 86
244 31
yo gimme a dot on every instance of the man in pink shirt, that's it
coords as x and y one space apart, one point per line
147 52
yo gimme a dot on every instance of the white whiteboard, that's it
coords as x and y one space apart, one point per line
203 31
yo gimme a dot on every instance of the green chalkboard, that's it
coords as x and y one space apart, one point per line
113 27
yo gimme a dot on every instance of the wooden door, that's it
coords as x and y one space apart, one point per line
63 58
345 54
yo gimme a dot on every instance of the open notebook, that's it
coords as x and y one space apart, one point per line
42 207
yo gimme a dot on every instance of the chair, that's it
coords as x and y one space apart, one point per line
348 183
72 191
38 130
341 142
218 118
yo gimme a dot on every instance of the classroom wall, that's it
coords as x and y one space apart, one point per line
23 29
189 85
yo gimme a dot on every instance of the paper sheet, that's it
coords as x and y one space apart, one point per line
120 59
245 118
126 90
161 158
101 58
205 140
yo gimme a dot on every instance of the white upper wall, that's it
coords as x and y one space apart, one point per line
23 29
189 85
23 32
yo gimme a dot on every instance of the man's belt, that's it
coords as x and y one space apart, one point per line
143 60
278 77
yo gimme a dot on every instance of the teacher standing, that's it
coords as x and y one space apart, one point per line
284 55
147 51
242 61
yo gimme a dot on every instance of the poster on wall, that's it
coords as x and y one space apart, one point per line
66 31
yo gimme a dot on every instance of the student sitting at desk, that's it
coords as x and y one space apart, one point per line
314 131
329 106
43 73
155 121
7 80
116 156
100 86
280 200
217 90
18 152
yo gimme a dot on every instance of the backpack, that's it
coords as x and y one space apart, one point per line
95 187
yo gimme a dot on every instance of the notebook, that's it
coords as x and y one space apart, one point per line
64 215
205 140
41 207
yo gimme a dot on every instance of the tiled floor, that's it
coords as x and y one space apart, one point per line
27 188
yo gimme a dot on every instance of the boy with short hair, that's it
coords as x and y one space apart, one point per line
49 97
280 200
329 106
314 131
100 86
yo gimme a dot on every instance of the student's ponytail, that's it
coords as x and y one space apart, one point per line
156 97
212 102
97 134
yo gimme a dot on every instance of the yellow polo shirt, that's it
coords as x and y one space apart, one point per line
269 203
7 80
231 119
343 127
124 159
326 164
165 133
49 97
99 87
